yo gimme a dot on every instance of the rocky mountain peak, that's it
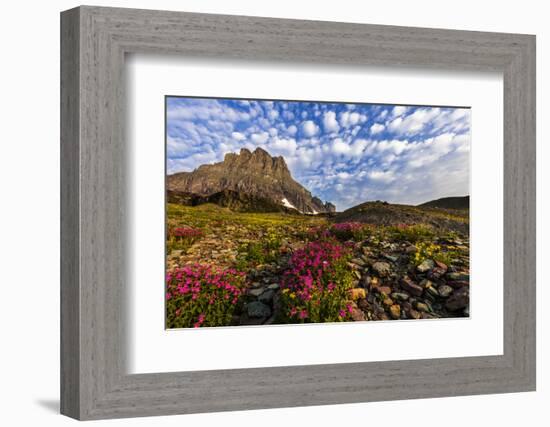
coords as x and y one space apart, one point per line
255 173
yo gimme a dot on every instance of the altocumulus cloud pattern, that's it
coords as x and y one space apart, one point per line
344 153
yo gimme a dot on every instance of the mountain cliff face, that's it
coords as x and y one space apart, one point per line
255 174
234 200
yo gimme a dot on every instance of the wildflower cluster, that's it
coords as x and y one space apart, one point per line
349 230
315 286
187 232
428 250
319 232
183 237
411 233
200 295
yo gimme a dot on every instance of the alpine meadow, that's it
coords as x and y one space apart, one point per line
291 212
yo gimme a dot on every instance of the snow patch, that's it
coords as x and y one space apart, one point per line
287 204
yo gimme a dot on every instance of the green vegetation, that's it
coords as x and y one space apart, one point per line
199 295
316 284
230 268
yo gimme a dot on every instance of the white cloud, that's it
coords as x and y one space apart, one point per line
238 136
288 115
348 119
206 110
415 122
259 138
358 146
190 162
344 175
396 146
340 147
273 114
329 122
377 128
282 146
398 110
309 128
382 115
292 130
382 176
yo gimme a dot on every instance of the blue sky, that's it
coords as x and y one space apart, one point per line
343 153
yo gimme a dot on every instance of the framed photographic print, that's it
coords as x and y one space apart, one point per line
249 244
301 212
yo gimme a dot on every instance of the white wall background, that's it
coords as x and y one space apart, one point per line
29 216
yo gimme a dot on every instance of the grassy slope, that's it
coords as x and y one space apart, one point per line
209 215
379 213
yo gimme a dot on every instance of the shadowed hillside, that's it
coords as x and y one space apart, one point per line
449 203
382 213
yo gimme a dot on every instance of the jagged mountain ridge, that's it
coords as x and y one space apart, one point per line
256 174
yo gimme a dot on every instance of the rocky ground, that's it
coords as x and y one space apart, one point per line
388 287
389 284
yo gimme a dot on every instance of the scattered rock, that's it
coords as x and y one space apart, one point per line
420 306
391 258
358 293
457 283
400 296
246 320
357 315
365 281
459 299
440 265
425 266
458 276
258 309
358 261
411 287
425 283
271 320
431 290
436 273
413 314
445 291
383 269
357 274
273 286
384 290
387 301
363 304
395 311
267 296
256 292
410 249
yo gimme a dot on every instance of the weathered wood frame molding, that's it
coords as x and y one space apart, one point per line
94 41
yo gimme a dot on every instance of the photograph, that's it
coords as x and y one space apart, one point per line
306 211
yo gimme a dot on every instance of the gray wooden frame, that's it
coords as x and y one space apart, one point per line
94 41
